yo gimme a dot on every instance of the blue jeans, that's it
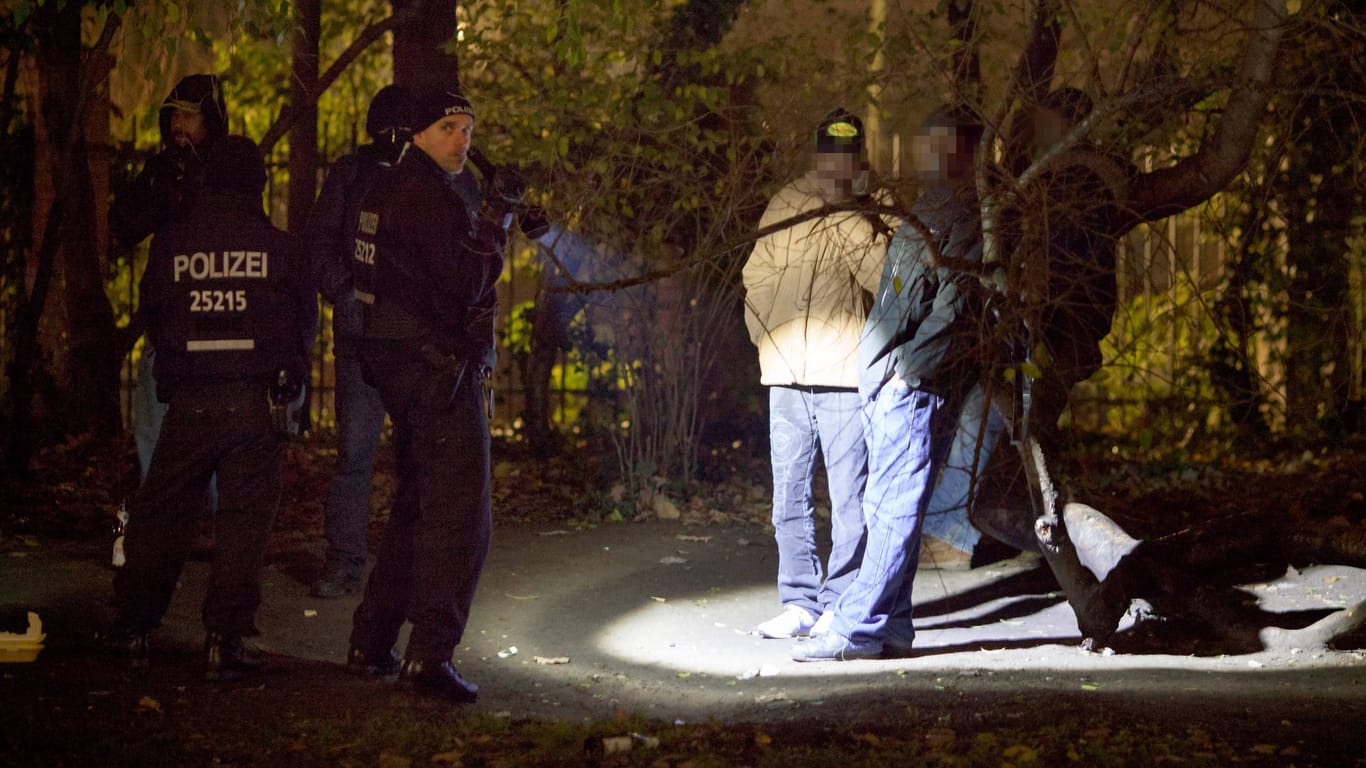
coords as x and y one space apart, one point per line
360 419
148 413
803 420
979 427
876 606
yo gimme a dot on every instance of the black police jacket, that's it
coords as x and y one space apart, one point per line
425 266
226 297
330 234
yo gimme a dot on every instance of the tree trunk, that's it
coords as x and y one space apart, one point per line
1076 542
66 344
420 57
1232 366
1319 312
549 317
967 57
303 98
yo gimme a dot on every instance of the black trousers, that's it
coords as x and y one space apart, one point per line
222 428
437 537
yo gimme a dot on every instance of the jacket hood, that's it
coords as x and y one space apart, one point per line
196 92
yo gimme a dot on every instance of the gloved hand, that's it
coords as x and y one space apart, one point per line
533 221
995 280
286 386
479 332
286 398
508 186
506 191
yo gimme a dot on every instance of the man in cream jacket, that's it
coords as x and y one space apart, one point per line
808 287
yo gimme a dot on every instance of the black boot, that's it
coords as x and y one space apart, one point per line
226 659
374 664
133 647
439 679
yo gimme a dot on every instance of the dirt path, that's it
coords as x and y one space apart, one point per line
655 619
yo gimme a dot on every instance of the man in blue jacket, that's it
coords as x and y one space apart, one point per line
917 350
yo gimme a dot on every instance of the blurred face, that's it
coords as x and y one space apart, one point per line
939 154
835 174
447 141
188 129
1049 129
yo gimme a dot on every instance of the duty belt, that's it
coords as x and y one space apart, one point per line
457 366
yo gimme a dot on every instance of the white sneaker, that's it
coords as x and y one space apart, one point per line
794 621
822 624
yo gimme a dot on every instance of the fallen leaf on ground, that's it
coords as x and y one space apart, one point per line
1021 753
150 704
940 738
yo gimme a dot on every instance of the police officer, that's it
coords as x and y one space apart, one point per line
426 267
330 239
232 314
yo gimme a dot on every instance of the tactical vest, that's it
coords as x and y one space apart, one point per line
225 282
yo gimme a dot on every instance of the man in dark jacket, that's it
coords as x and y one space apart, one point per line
193 118
1071 265
917 348
330 239
232 313
426 269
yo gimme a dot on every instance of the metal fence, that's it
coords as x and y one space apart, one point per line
1175 265
517 287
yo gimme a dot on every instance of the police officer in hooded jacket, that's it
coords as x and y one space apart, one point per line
426 268
330 241
229 307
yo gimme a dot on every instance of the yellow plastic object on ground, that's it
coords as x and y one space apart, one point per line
16 648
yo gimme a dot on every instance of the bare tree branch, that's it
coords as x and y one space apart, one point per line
1167 191
1033 75
364 40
